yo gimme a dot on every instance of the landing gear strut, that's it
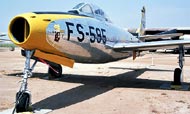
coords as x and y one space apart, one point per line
178 72
23 97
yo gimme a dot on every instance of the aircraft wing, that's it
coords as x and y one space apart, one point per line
5 40
2 40
122 47
1 35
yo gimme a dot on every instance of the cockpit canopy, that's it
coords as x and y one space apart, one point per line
90 10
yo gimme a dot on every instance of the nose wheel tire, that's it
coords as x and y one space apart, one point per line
22 102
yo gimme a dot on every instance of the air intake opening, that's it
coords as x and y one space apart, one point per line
20 29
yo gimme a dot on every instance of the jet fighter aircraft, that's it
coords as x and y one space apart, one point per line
2 35
84 34
4 41
160 34
148 34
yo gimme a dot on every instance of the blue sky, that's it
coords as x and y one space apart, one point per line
125 13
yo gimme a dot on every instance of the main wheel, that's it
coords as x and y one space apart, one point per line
22 102
177 76
52 73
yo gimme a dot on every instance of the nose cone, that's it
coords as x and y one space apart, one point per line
27 31
19 30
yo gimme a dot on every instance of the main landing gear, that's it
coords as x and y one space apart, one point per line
178 72
23 96
55 71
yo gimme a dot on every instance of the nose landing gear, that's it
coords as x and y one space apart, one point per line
23 97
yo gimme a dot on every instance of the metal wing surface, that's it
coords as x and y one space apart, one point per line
171 44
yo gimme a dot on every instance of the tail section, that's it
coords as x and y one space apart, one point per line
141 29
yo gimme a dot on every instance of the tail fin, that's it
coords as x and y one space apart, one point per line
141 29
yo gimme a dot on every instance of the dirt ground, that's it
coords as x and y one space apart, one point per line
121 87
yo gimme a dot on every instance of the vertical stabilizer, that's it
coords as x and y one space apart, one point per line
141 29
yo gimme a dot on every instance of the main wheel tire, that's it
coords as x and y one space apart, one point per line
177 76
52 73
23 102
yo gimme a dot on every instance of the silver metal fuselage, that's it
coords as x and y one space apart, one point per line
86 39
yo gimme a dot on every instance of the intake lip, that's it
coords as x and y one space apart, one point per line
19 30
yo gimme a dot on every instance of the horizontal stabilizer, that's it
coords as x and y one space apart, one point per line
152 37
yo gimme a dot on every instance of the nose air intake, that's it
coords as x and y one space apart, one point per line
20 30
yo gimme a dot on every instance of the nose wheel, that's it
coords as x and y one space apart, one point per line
23 101
23 96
